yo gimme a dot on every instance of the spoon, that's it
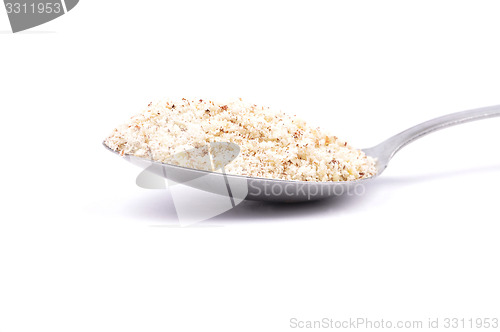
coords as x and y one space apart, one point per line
238 187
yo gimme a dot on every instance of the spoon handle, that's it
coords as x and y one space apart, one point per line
386 150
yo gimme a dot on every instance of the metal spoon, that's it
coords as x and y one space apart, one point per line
239 187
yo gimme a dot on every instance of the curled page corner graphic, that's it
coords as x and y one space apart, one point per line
26 14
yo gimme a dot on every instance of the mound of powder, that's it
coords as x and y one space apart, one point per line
272 144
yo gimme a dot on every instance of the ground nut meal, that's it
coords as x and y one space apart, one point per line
272 144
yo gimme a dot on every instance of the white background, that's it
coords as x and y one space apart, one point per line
82 248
